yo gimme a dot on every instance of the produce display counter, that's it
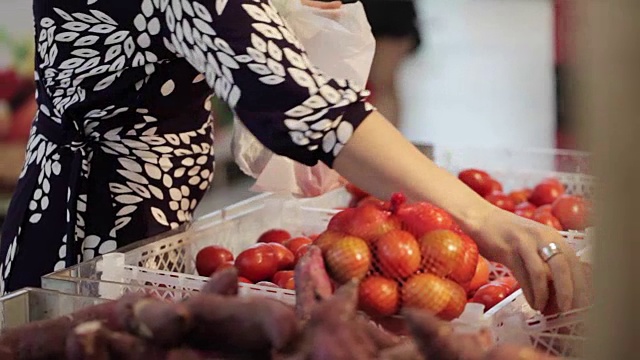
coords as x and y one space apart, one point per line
166 267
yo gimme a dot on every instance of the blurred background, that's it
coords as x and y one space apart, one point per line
487 73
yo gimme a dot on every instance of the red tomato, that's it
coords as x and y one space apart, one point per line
301 252
456 304
313 237
274 236
571 211
370 200
494 186
356 192
442 251
490 295
379 296
546 192
244 280
286 259
290 284
481 277
502 201
509 282
545 209
520 196
525 209
347 259
257 263
296 243
478 180
427 292
225 265
547 219
209 258
327 238
398 254
421 218
467 269
281 277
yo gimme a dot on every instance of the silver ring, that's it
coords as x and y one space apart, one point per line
549 251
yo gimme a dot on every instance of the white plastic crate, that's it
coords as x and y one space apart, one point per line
28 305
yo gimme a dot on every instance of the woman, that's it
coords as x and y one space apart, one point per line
395 25
122 145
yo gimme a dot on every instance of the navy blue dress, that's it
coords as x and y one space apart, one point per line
121 147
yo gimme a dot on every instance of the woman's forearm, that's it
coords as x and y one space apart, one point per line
380 160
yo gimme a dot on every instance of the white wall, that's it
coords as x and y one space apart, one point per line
484 76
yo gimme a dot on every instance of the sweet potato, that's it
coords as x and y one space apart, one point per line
436 339
87 342
223 282
408 350
333 331
382 338
249 324
46 339
312 282
164 323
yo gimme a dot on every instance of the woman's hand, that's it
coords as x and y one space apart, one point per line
333 5
515 242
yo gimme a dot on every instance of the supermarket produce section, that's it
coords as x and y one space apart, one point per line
340 276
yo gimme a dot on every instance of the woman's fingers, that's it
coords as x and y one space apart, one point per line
580 282
322 5
520 272
561 273
537 272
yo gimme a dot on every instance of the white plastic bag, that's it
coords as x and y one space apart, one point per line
339 42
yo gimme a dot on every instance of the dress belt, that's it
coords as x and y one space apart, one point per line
75 143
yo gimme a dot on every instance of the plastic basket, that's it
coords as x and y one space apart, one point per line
28 305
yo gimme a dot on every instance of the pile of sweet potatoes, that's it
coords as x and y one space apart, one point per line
217 324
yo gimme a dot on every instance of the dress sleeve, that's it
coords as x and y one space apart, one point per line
252 61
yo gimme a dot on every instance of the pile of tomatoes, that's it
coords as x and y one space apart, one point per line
270 262
546 203
408 255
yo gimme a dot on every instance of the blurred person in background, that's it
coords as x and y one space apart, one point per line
394 24
565 134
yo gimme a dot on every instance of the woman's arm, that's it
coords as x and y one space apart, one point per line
253 62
